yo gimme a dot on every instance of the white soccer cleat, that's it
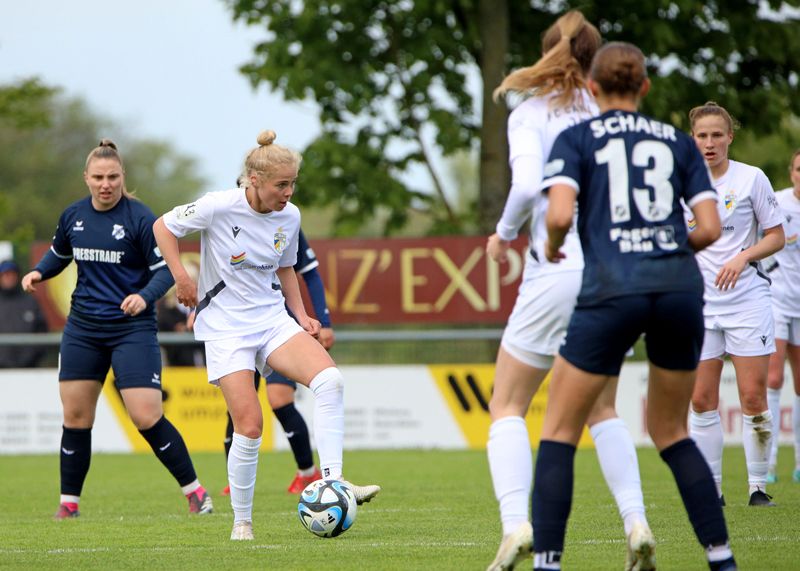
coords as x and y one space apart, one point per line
515 548
641 549
364 494
242 531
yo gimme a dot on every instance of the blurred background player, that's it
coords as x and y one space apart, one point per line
557 99
738 306
785 274
628 174
248 237
111 323
20 314
281 391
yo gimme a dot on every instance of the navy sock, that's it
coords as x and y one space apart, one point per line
551 500
167 443
228 436
76 455
297 432
698 491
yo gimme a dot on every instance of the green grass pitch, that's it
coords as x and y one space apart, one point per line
436 511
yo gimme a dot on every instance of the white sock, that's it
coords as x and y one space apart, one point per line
705 428
757 440
774 405
620 465
307 471
191 487
242 468
328 389
511 466
796 428
67 499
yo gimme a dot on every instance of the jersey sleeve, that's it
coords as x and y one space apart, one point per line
765 204
698 186
306 258
147 241
188 218
59 255
564 164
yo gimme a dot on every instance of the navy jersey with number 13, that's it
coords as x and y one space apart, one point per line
630 173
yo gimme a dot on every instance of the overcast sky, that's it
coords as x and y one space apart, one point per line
162 69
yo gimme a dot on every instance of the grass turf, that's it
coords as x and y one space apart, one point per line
436 511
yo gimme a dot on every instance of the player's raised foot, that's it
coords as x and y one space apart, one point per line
641 549
66 511
242 531
796 475
514 549
300 482
762 499
200 502
364 494
226 491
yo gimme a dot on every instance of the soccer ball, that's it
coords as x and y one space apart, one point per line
327 508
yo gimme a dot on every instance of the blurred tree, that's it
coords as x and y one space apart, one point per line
381 71
42 157
23 104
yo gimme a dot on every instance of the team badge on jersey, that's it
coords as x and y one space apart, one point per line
118 231
238 259
279 240
730 201
186 211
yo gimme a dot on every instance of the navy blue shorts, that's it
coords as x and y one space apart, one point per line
133 354
599 335
275 378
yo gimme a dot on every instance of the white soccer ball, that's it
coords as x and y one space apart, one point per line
327 508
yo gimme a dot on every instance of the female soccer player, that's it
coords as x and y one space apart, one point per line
738 309
785 276
548 292
248 236
628 174
111 322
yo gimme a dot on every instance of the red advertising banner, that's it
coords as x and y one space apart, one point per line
447 280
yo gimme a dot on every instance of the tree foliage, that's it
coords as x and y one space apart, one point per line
383 70
42 158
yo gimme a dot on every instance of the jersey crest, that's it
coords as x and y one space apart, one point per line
730 201
279 240
118 231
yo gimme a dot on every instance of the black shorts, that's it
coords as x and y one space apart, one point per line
133 353
599 335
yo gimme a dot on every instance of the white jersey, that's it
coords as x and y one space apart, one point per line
532 128
786 273
240 250
746 205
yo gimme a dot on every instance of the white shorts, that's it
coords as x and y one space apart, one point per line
248 352
748 333
539 320
786 328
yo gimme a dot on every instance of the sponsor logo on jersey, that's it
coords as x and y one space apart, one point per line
235 230
279 240
186 211
553 167
118 231
97 255
238 259
692 224
730 201
791 240
78 226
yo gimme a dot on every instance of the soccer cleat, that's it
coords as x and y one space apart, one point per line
796 475
364 494
514 549
66 511
226 491
200 502
242 531
759 498
300 482
641 549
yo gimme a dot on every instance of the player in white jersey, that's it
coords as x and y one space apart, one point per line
547 294
785 274
249 236
737 312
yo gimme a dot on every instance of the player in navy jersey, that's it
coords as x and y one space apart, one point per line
628 174
111 323
248 238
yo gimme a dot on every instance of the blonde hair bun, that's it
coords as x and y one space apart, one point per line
266 138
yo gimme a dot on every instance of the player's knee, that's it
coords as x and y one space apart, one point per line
328 380
753 402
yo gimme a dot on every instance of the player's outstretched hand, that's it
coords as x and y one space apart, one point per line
326 337
497 249
311 325
30 280
730 272
186 290
133 305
